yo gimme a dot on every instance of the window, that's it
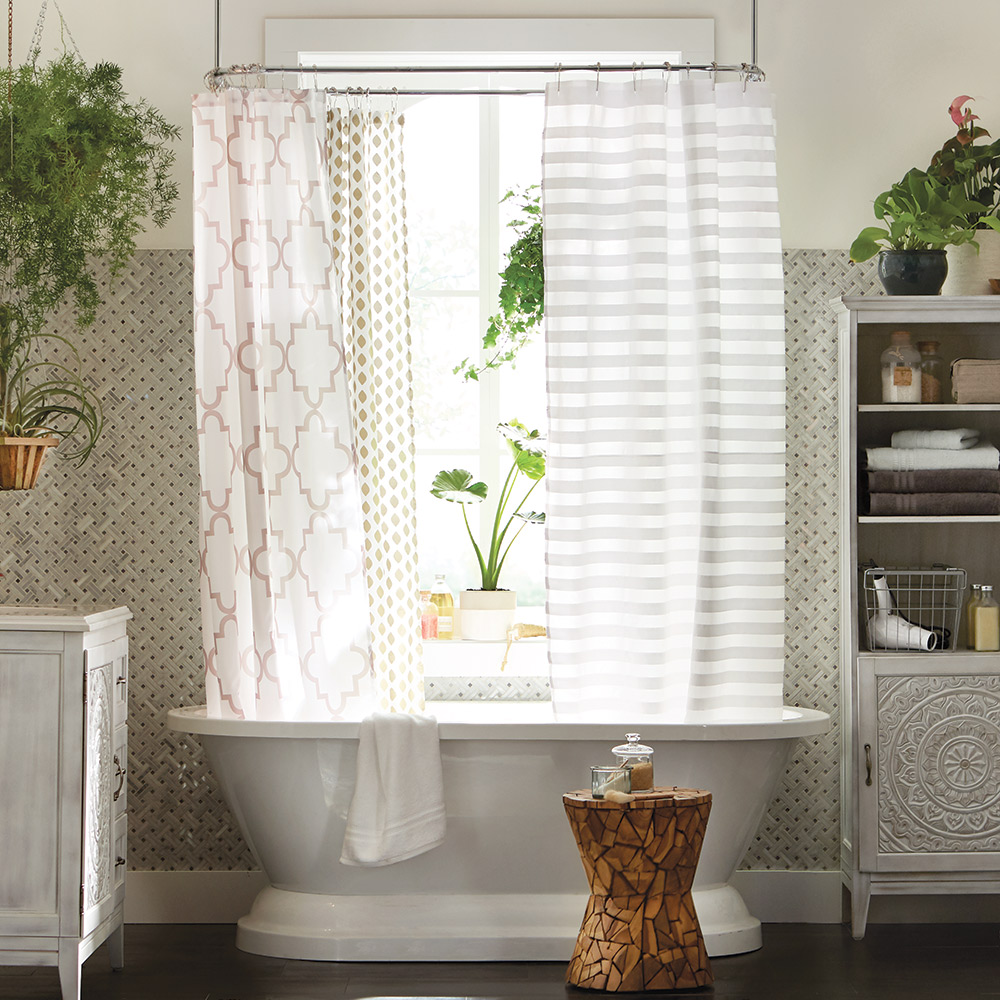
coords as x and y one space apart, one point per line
462 154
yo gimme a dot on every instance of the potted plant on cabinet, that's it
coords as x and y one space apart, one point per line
488 613
921 217
81 168
975 168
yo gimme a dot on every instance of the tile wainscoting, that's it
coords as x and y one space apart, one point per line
123 529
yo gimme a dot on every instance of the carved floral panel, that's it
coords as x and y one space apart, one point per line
97 804
939 764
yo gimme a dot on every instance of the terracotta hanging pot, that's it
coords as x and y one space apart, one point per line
21 460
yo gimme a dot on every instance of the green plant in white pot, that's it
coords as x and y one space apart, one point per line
488 613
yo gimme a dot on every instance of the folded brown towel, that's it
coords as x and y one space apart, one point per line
932 504
935 481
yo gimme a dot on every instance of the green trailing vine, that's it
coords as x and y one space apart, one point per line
82 168
522 290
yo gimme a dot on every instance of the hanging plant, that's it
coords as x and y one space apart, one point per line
522 290
82 168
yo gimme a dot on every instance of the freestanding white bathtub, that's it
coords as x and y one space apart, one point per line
507 884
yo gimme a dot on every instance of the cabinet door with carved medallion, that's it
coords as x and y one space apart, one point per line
932 738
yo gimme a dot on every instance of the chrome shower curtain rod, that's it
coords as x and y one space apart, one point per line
220 76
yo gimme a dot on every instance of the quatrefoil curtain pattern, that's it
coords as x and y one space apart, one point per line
284 603
664 302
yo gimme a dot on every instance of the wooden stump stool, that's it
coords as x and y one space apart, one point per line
640 930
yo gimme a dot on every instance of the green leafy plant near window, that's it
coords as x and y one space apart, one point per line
522 290
458 486
81 168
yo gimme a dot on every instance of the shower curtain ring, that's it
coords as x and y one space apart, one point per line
634 77
667 70
715 73
689 71
558 77
597 79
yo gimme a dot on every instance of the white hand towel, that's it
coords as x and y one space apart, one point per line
980 456
959 437
397 810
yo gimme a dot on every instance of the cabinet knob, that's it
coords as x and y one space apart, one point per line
119 862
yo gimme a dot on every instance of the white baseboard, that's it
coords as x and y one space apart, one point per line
224 897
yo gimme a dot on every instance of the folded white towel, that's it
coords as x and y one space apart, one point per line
980 456
397 810
960 437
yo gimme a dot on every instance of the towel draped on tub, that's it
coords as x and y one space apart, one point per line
397 810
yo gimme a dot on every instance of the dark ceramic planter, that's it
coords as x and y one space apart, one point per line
912 272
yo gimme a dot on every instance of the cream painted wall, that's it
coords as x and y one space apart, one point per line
862 86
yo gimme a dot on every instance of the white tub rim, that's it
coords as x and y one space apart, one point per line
796 722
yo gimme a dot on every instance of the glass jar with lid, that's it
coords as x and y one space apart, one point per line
900 370
638 759
933 373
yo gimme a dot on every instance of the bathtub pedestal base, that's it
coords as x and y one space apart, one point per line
455 927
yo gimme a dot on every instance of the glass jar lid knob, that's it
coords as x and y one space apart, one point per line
633 748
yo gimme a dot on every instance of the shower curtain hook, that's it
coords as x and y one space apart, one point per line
558 77
689 71
667 70
315 77
634 77
715 73
395 102
597 80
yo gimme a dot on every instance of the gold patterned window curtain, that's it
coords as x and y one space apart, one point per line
366 174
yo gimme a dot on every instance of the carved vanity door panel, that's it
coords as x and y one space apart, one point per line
98 800
934 801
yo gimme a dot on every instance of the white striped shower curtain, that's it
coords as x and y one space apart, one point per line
666 381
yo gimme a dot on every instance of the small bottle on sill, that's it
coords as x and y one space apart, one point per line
428 616
443 599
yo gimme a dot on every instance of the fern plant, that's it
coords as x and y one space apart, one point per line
81 168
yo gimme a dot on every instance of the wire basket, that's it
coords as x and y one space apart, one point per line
913 609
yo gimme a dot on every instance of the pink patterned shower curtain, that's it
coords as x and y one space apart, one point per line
284 607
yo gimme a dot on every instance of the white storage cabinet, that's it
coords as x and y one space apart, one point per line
63 788
921 761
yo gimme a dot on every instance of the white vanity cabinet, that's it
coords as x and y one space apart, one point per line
63 798
921 760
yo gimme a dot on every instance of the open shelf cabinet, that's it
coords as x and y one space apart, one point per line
921 761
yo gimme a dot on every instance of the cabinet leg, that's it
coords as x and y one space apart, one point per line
116 947
69 971
861 895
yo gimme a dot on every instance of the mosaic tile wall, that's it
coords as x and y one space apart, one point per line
123 529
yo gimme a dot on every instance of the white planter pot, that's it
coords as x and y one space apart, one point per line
487 614
968 272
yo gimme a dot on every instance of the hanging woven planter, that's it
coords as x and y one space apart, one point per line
21 460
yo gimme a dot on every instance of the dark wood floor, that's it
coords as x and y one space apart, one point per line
797 962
